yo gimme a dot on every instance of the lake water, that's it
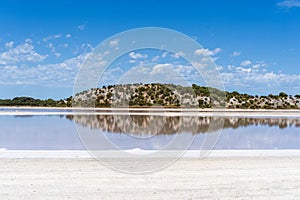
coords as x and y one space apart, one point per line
60 132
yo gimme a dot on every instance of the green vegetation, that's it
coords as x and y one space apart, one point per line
28 101
282 94
163 95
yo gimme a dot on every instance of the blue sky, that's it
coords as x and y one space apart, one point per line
255 44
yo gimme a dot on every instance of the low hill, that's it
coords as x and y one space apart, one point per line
163 95
169 95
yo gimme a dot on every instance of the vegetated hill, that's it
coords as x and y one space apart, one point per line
151 95
169 95
166 95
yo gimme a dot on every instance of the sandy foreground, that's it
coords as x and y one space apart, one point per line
253 177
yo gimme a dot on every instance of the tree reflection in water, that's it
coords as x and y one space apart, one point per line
146 125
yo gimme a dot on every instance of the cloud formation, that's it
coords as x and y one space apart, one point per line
256 78
135 56
52 37
153 73
207 52
9 45
21 53
289 4
20 65
114 44
236 53
60 74
245 63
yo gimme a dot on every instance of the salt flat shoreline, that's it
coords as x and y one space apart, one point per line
211 178
193 154
147 111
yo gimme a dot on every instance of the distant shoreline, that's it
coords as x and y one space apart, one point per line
149 111
153 108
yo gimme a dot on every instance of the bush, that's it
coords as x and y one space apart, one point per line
282 94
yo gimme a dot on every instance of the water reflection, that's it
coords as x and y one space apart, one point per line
143 125
59 133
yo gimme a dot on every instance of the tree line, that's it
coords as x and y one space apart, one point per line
167 95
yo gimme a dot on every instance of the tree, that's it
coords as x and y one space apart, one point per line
283 95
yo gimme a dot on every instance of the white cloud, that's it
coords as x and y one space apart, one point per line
236 53
68 35
261 82
53 50
230 67
259 65
219 68
21 53
57 54
164 54
51 37
245 63
178 54
161 68
248 66
217 50
28 40
257 79
289 4
134 55
60 74
9 45
155 58
199 65
51 46
86 47
242 69
256 66
162 73
207 52
80 49
114 43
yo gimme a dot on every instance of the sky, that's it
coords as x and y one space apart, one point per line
254 44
